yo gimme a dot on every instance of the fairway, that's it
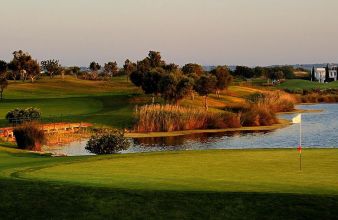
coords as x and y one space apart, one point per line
298 84
103 103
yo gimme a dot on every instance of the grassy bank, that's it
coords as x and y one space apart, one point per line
242 184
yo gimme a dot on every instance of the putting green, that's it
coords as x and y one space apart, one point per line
223 170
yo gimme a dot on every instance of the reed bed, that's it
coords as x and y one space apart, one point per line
166 118
260 110
319 98
264 106
275 101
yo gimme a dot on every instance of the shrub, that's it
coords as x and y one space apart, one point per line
19 115
29 136
258 115
107 141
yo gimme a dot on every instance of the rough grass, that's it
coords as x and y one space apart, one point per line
249 184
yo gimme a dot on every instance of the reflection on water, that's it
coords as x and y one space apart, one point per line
319 130
75 148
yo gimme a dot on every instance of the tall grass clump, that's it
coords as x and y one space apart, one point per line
165 118
29 136
264 106
276 101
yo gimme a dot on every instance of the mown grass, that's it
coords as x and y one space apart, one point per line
225 171
104 103
298 84
249 184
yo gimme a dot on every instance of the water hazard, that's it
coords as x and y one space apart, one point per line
320 130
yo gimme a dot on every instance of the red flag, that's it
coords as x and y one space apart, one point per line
299 149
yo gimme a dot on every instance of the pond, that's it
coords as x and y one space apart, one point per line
320 130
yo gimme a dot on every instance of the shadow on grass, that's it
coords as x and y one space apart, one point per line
37 200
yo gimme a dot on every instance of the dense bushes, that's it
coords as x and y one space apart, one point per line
152 118
29 136
19 115
107 141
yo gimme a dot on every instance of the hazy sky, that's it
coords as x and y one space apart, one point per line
209 32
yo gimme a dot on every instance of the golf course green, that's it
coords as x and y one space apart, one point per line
236 184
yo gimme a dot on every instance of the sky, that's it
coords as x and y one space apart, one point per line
208 32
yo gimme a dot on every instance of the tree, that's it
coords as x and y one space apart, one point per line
129 67
191 68
24 66
172 67
259 71
3 77
93 66
155 59
143 65
274 75
75 70
3 86
150 83
184 87
223 78
136 78
32 69
313 74
327 73
205 85
107 141
52 67
175 86
244 71
3 67
111 69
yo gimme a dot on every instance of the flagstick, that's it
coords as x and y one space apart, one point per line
300 145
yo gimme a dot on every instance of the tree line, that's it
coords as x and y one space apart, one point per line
273 73
154 76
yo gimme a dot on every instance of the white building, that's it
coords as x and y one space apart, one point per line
320 74
327 74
